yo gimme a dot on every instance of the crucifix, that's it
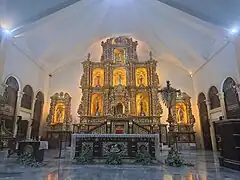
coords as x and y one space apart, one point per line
168 96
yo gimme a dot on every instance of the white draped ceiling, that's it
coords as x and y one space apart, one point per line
66 36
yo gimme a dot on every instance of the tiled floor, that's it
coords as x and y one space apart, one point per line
206 168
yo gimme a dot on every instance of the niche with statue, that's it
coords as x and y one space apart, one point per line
59 117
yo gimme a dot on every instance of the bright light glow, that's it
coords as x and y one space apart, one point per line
234 30
6 32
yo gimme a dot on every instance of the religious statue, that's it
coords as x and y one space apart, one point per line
123 95
59 116
140 80
180 115
97 108
118 57
142 113
119 79
98 80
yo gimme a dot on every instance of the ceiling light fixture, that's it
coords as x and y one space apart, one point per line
6 31
234 31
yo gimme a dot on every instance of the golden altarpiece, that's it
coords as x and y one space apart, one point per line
119 93
59 120
182 113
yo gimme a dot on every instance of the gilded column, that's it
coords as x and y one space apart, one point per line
222 103
17 112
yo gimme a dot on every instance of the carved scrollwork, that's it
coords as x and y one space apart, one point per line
125 86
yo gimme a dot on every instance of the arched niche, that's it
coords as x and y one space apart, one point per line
27 98
119 109
204 120
97 104
231 98
119 55
141 77
119 76
11 95
97 77
37 116
213 98
142 104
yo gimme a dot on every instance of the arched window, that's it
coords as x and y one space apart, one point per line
204 120
11 95
37 116
213 98
11 92
231 98
27 97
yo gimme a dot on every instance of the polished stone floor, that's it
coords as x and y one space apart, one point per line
206 167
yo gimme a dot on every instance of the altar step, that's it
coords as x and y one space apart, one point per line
108 128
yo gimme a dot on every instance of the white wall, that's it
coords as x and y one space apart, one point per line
179 79
24 69
223 65
68 81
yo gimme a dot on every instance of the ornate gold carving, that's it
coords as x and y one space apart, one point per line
119 87
119 76
142 103
98 77
141 77
182 110
97 104
60 111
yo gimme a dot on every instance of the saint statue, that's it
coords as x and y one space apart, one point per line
142 113
59 114
119 79
98 80
118 57
97 108
180 115
140 80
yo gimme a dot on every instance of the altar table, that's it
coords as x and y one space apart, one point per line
126 145
36 148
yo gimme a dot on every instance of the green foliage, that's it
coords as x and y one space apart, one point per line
114 159
143 158
174 159
27 160
84 158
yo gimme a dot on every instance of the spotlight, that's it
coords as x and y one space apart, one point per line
6 32
234 31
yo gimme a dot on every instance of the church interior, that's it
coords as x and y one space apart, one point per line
119 82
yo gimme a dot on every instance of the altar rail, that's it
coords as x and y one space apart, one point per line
126 145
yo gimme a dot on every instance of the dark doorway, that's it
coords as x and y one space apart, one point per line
204 119
37 116
11 95
22 129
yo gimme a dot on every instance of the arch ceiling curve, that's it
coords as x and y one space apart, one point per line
64 37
